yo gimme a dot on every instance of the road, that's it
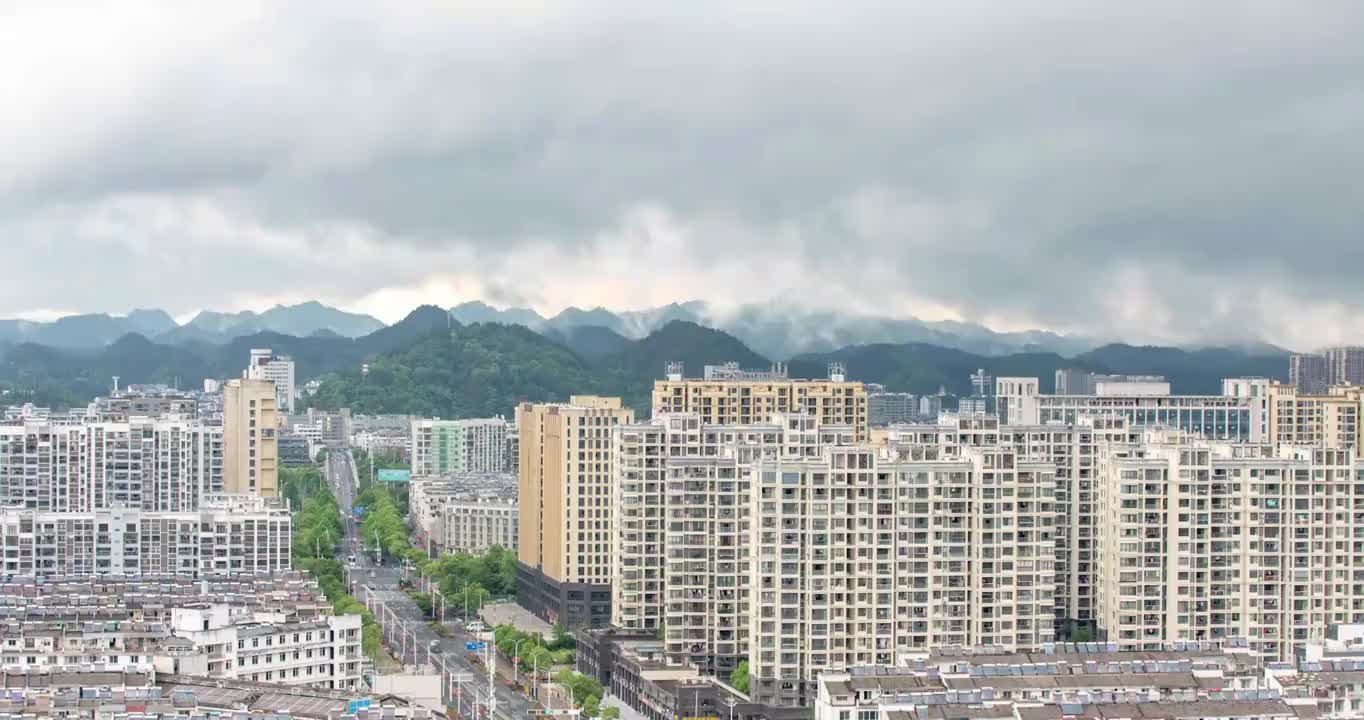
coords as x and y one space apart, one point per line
405 629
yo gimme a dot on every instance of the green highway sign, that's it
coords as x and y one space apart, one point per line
395 476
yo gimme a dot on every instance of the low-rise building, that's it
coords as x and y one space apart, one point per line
464 512
257 627
1062 682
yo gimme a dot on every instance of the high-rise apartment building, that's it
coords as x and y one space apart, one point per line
278 369
1071 450
789 545
680 521
250 445
443 447
859 559
1330 420
564 503
1209 541
1307 372
227 534
730 399
148 464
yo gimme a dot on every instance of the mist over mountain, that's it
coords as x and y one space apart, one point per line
98 330
779 330
773 330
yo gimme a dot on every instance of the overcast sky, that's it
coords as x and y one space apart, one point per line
1158 170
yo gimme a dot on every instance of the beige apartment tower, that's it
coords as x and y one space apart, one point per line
564 507
250 442
744 398
1331 420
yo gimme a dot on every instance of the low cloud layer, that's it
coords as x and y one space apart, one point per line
1160 171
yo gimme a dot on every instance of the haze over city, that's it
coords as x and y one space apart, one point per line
1164 171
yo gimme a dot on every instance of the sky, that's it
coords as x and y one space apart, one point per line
1161 171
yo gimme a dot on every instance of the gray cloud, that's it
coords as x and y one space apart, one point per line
1163 170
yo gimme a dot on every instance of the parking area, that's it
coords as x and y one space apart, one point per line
519 618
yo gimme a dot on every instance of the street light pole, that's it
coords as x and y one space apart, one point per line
516 660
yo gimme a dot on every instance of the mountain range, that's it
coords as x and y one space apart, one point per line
785 331
430 363
100 330
773 330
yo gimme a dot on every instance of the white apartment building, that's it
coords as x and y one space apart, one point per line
680 513
150 464
1205 541
1218 417
1072 449
227 534
466 513
859 559
442 447
787 545
278 369
473 527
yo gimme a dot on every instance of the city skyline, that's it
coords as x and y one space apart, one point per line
1163 172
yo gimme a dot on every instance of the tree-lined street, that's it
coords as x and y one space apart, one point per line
406 629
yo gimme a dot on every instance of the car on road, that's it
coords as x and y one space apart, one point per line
476 627
350 560
433 645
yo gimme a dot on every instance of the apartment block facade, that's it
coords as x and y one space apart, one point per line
443 447
149 464
860 560
1072 450
227 534
250 443
1333 419
1210 541
789 545
835 401
564 507
681 526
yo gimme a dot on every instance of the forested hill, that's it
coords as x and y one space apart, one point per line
485 369
469 371
429 364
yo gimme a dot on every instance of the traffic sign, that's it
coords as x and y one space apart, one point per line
475 645
355 705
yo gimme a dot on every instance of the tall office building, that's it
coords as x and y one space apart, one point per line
1307 372
444 447
738 398
1142 400
278 369
250 445
1344 365
887 408
564 504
